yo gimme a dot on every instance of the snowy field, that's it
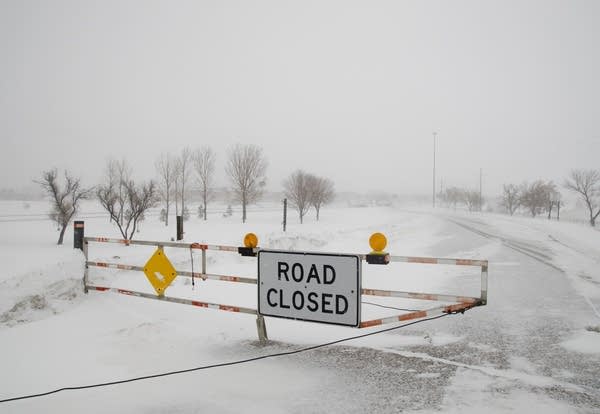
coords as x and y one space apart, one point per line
535 346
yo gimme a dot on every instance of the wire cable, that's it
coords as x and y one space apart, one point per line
222 364
390 307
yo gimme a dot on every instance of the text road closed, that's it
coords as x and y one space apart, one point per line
309 286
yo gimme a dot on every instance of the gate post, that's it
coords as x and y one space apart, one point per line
484 283
85 271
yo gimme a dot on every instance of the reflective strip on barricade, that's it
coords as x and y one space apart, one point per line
423 296
459 307
114 266
204 276
182 301
438 260
164 244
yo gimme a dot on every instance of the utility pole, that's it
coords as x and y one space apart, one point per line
480 195
434 136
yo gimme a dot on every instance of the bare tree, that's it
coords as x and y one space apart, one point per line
204 163
321 192
537 196
511 198
587 184
454 195
472 199
246 167
136 199
64 198
165 167
183 171
118 173
298 190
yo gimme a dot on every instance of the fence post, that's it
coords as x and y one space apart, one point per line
284 213
261 328
179 228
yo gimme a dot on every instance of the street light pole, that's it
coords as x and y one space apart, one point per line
433 197
480 194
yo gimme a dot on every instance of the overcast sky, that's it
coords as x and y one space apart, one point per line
348 90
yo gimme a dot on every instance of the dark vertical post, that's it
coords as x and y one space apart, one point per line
433 195
261 327
85 272
284 213
78 233
558 211
179 228
480 193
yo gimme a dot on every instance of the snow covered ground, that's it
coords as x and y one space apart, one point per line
535 346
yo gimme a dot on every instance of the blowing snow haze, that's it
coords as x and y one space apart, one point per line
344 89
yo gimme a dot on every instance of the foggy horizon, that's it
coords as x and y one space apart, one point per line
352 91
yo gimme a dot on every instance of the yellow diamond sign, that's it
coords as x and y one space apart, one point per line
159 271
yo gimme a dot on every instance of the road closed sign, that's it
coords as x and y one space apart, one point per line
315 287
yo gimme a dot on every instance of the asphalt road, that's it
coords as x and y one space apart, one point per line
508 357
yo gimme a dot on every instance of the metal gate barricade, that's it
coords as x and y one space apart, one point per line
285 278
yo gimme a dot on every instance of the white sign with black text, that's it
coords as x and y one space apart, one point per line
317 287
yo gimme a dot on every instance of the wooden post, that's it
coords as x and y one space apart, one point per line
179 228
284 213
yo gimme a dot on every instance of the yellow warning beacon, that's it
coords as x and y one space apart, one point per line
378 241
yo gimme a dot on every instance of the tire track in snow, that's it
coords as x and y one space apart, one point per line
523 248
520 247
528 379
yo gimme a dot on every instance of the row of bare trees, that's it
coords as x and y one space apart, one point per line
123 199
536 198
541 196
174 173
454 196
126 201
246 168
306 190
